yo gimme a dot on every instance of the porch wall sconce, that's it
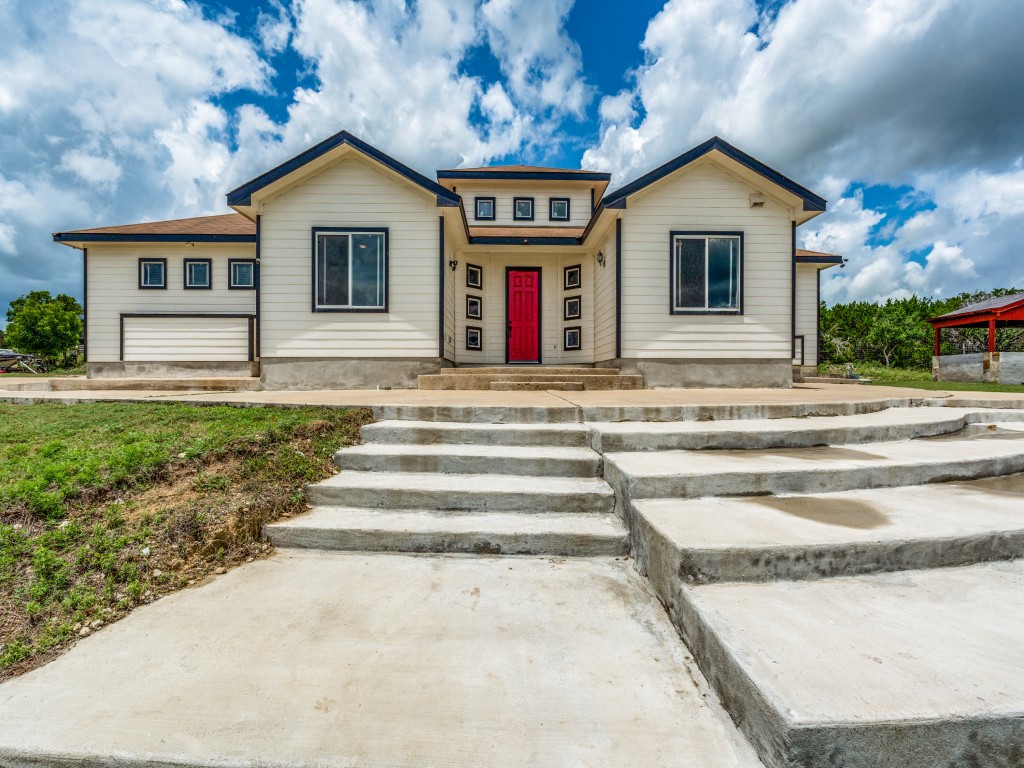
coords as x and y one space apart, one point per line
600 258
756 200
453 264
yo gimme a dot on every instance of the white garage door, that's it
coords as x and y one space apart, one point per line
185 339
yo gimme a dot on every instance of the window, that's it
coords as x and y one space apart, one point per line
474 338
558 209
197 273
350 270
485 208
474 308
706 272
152 273
242 273
573 338
522 208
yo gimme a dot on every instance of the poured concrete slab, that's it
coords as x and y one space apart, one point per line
915 669
328 659
997 449
796 537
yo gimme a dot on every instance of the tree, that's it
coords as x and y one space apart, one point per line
44 325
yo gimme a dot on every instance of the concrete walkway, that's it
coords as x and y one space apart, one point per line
330 659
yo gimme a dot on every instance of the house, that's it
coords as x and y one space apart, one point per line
342 267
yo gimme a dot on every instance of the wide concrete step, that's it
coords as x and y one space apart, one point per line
471 433
889 425
550 370
999 450
463 493
491 533
916 669
593 379
534 461
166 384
536 386
763 538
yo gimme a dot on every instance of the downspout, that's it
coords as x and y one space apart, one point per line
257 278
618 288
441 278
817 322
85 305
792 294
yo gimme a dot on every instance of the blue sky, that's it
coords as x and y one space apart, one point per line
905 114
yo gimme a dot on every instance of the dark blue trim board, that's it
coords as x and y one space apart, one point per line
525 240
818 259
812 202
243 195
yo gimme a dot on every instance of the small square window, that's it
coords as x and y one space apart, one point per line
197 273
474 308
474 338
242 274
573 338
485 208
152 273
522 208
558 209
474 276
572 308
571 277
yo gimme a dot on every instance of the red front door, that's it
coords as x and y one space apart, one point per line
523 316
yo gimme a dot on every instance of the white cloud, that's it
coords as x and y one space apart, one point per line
91 168
274 28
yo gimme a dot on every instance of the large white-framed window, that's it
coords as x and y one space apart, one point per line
706 273
350 269
152 273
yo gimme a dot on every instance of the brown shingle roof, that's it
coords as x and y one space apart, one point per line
226 224
526 232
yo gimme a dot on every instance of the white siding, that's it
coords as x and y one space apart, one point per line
807 310
113 288
705 198
552 295
604 301
188 339
350 193
579 203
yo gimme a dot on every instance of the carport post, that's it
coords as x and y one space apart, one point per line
938 338
992 335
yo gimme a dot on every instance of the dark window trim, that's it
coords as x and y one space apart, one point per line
565 338
565 277
163 287
672 272
231 275
387 266
209 275
565 307
480 332
476 208
480 299
551 208
540 315
250 315
515 211
479 269
803 351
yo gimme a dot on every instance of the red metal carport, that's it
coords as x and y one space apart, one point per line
1003 312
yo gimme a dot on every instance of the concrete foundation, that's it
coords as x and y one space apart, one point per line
753 372
349 373
169 370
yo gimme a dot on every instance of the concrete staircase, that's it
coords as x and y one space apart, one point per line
511 378
849 584
448 487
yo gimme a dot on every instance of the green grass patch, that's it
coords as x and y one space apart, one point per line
107 505
918 378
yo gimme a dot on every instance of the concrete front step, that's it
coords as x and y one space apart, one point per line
916 669
690 474
463 493
490 533
534 461
592 379
472 433
536 386
168 384
548 370
758 434
764 538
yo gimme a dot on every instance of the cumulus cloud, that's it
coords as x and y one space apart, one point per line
897 92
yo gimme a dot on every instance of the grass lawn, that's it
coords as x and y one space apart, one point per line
106 506
921 378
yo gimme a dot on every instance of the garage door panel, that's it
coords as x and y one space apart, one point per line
186 339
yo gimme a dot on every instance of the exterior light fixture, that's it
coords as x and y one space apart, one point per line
453 264
600 258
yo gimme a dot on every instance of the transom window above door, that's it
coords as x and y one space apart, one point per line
485 209
706 272
350 270
522 208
